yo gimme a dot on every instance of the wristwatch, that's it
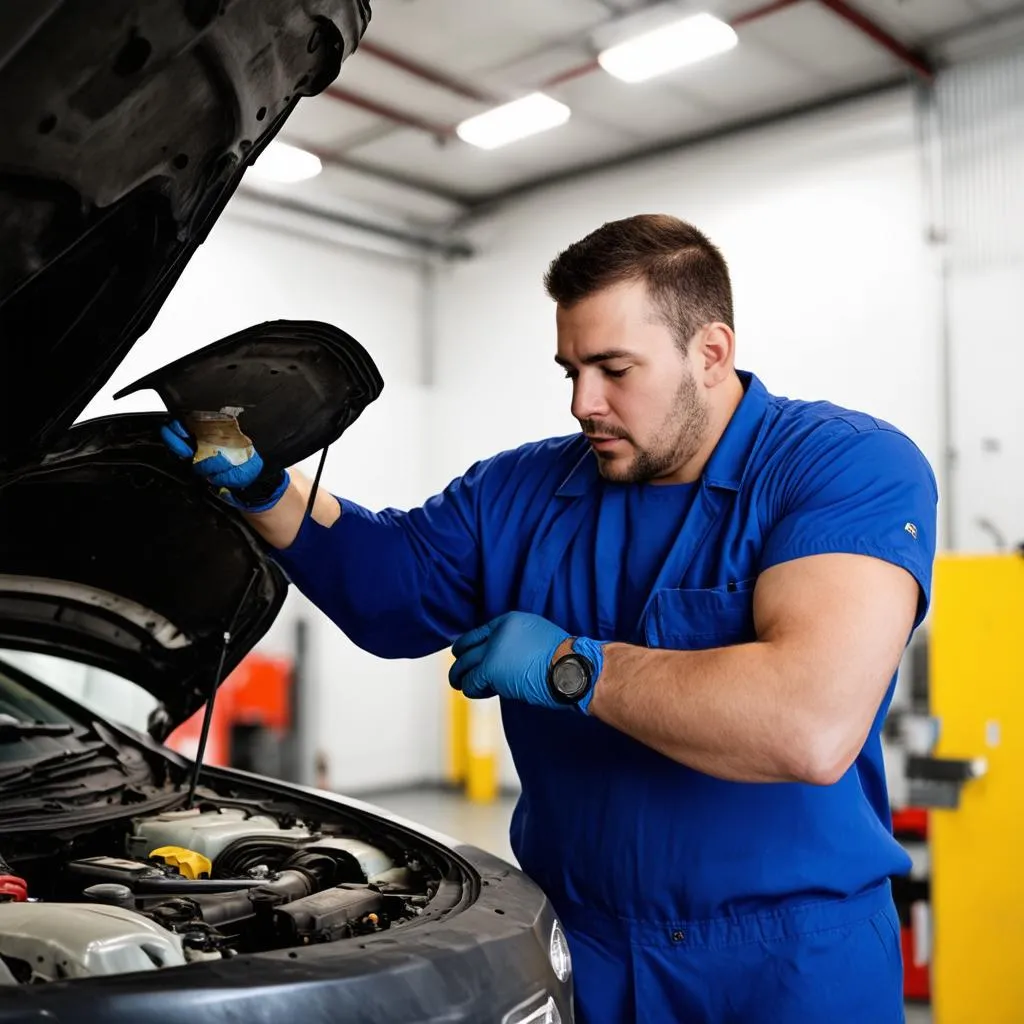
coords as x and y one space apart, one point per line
571 678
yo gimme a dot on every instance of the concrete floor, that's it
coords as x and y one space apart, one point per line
486 826
483 825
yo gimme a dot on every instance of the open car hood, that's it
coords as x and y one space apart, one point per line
114 553
127 125
111 556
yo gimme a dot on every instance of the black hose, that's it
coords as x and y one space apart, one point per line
172 886
228 908
242 855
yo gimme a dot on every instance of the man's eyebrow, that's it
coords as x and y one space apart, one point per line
599 357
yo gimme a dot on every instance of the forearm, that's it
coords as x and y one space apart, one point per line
743 713
280 525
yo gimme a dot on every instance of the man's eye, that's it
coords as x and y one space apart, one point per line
570 374
616 373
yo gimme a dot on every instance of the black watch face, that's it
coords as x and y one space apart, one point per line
571 677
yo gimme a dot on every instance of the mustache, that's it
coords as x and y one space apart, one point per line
603 429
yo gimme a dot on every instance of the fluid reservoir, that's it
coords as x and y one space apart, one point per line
204 832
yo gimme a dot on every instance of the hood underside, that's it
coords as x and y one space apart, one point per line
127 125
114 552
112 555
297 385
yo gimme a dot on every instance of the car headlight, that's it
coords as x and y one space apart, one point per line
558 951
530 1013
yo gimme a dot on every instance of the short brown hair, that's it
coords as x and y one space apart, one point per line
686 275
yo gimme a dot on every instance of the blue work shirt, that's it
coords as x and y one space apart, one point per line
612 830
649 518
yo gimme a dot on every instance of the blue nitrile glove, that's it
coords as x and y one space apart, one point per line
510 656
244 485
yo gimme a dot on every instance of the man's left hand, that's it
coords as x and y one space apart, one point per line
508 657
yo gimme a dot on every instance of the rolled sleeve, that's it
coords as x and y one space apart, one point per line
865 492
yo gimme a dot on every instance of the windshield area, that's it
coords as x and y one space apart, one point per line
108 695
57 760
19 704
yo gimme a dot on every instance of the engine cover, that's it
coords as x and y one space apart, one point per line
70 940
205 832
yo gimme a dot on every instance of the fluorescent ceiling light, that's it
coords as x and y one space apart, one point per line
282 163
667 48
512 121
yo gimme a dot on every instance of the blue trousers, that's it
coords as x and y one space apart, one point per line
833 962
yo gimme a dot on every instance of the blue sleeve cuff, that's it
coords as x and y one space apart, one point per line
920 569
593 651
309 540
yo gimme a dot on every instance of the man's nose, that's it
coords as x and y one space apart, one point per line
588 399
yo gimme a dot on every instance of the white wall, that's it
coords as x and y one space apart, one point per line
981 123
822 223
377 721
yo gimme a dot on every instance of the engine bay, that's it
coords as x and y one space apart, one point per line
212 882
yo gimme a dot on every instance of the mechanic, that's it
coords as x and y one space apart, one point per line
693 612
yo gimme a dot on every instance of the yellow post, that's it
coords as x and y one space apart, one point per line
474 727
482 762
458 737
977 849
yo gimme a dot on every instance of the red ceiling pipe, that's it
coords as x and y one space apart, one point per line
741 19
427 74
870 28
393 114
840 7
569 74
437 78
354 99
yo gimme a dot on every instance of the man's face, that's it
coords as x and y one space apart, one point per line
634 393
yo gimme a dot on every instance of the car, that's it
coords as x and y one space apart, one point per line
135 883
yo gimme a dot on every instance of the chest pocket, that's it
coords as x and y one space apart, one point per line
694 620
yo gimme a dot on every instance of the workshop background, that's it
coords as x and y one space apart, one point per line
861 165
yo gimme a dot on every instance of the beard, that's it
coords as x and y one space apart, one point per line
675 442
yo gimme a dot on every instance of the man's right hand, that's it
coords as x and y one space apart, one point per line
273 503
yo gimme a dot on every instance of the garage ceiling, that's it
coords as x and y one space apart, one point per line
385 129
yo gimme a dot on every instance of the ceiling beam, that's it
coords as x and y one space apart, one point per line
410 182
443 133
486 204
446 247
917 63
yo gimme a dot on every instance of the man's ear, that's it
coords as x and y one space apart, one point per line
715 353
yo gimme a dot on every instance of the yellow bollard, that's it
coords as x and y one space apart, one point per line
474 728
482 750
458 737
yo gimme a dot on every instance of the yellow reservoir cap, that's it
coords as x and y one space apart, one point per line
191 864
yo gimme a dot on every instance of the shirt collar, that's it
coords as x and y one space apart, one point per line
728 462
